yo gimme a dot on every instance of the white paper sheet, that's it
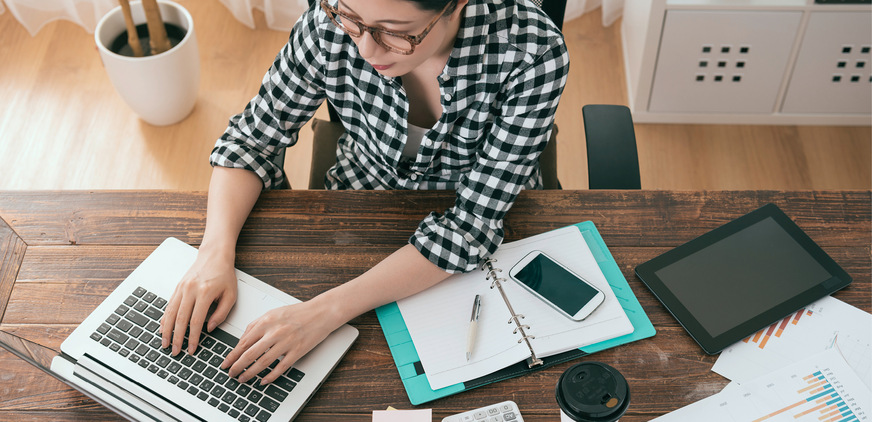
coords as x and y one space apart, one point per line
438 318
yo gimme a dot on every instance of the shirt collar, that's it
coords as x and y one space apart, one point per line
466 57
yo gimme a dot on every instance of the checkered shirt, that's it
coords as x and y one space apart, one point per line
500 89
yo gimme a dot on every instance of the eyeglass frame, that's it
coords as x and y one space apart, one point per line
414 41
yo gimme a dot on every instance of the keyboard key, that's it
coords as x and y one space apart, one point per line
153 313
188 360
295 374
276 393
162 373
152 368
202 396
240 403
243 390
152 327
219 348
214 402
96 336
269 404
135 332
139 292
160 303
142 349
231 384
113 318
163 361
114 347
199 366
117 336
104 328
224 337
208 342
216 361
140 306
173 379
130 301
218 391
196 379
204 355
124 325
251 410
285 383
233 413
106 342
185 373
222 378
244 418
207 385
155 343
149 297
183 385
124 352
255 396
121 310
223 407
146 337
137 318
210 372
263 416
143 363
152 356
174 367
229 397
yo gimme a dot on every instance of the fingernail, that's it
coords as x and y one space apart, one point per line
210 327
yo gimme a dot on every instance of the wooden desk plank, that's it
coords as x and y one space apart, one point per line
11 253
627 218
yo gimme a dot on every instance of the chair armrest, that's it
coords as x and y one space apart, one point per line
612 158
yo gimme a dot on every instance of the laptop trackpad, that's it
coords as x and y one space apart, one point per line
251 303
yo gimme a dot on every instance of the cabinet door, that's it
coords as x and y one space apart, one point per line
832 72
722 61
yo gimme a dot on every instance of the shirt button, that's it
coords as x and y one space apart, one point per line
413 177
427 143
447 97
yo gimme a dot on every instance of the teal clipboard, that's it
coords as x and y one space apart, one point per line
412 372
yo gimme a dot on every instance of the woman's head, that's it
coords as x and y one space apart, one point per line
396 36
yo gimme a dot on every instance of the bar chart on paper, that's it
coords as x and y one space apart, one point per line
821 388
825 324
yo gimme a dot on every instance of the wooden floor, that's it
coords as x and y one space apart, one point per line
62 126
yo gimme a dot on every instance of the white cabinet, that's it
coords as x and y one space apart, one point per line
748 61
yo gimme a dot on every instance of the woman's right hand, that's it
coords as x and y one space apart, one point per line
210 279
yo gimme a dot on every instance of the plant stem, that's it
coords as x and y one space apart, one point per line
132 36
156 30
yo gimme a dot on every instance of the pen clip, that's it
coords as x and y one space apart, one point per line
476 308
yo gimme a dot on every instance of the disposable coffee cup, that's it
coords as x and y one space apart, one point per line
592 392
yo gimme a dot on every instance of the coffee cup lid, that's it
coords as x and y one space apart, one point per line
593 392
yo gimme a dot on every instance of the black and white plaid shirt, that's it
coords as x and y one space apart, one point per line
500 89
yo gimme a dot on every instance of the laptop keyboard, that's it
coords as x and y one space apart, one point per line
132 331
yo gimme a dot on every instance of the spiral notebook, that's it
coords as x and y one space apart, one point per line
427 332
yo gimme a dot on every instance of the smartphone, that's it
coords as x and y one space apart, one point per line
565 291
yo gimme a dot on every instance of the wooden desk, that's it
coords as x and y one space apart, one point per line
61 253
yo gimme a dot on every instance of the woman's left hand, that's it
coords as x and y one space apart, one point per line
290 331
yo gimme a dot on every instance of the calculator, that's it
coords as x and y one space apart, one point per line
506 411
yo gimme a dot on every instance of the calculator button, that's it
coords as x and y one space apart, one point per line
493 411
479 415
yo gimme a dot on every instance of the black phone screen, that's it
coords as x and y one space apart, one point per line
556 284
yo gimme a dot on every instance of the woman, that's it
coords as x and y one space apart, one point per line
434 94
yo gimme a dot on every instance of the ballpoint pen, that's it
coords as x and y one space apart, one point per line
473 325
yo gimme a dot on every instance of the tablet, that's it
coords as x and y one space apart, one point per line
741 277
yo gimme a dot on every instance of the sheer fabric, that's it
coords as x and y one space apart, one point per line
280 14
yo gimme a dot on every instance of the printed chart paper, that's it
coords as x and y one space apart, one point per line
820 388
826 324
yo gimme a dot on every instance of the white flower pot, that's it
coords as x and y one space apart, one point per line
161 89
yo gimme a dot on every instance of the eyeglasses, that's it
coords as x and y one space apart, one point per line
393 41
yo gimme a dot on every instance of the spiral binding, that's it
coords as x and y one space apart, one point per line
516 318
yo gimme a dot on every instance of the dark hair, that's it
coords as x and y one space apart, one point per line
434 5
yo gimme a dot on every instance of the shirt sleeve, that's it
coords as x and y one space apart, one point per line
461 237
290 93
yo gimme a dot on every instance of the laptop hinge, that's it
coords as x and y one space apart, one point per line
139 392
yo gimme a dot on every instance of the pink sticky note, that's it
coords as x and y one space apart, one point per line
420 415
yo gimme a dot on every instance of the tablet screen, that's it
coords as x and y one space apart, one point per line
738 278
742 275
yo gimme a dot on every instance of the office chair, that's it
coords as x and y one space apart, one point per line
611 142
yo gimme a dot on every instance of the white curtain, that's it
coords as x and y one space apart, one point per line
280 14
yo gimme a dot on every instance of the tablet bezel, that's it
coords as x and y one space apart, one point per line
711 345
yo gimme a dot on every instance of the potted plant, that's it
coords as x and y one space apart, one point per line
150 53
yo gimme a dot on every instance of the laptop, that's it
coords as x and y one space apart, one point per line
114 356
